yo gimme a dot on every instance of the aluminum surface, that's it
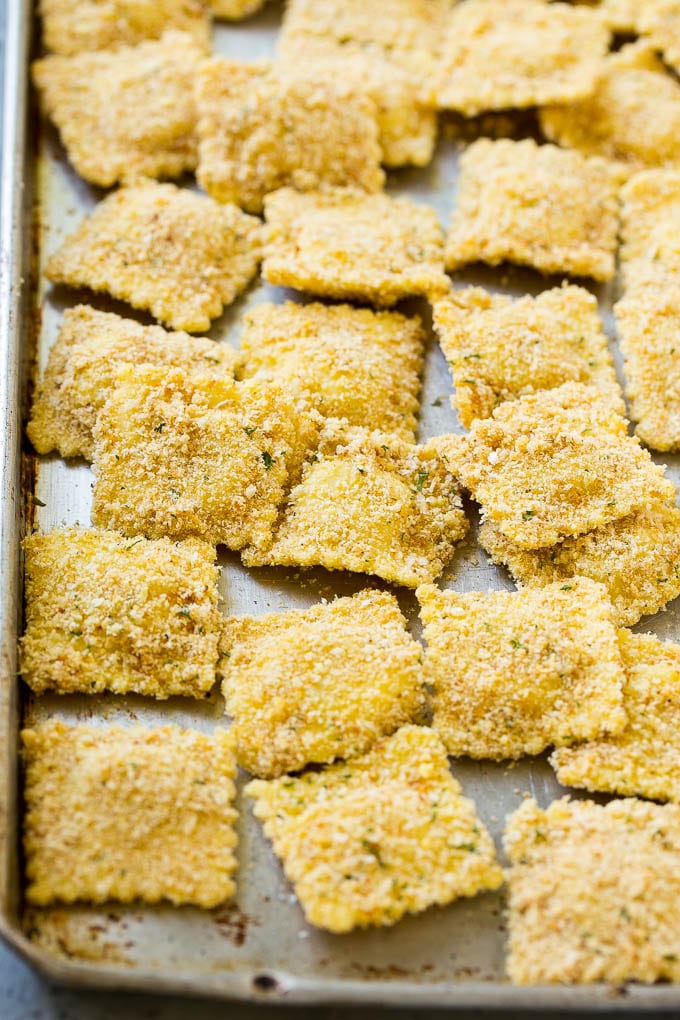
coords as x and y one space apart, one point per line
259 947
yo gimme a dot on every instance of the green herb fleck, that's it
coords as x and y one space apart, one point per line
268 459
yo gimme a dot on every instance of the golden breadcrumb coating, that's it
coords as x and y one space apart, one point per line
366 841
637 558
555 463
178 254
348 362
345 244
370 503
82 366
79 26
644 759
500 349
509 54
622 15
593 892
126 114
116 813
319 684
260 129
650 222
659 21
183 457
107 613
516 672
234 10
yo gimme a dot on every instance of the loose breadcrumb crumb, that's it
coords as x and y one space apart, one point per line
234 10
622 15
115 813
593 892
650 222
366 841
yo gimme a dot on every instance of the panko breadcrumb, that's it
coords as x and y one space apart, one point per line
107 613
345 244
79 26
622 15
537 205
234 10
500 349
350 363
126 114
516 672
637 558
650 224
82 366
183 457
370 503
510 54
116 813
178 254
366 841
260 129
319 684
659 21
593 892
555 463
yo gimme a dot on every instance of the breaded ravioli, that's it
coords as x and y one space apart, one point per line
124 814
537 205
319 684
366 841
350 363
593 892
516 672
370 503
108 613
82 367
246 110
499 348
650 221
343 243
168 250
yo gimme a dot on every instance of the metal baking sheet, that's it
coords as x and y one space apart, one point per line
259 947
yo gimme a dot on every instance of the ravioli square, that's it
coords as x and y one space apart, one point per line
126 114
82 367
553 209
556 463
246 110
166 250
370 503
124 814
500 349
593 892
516 672
350 363
650 225
366 841
196 457
344 244
319 684
106 613
636 558
79 26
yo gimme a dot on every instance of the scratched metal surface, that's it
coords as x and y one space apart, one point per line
260 947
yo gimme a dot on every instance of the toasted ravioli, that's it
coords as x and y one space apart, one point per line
116 813
343 243
82 366
185 457
234 10
632 116
650 225
593 892
107 613
509 54
556 463
350 363
659 21
366 841
516 672
500 349
78 26
637 558
125 114
320 684
247 109
370 503
537 205
177 254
